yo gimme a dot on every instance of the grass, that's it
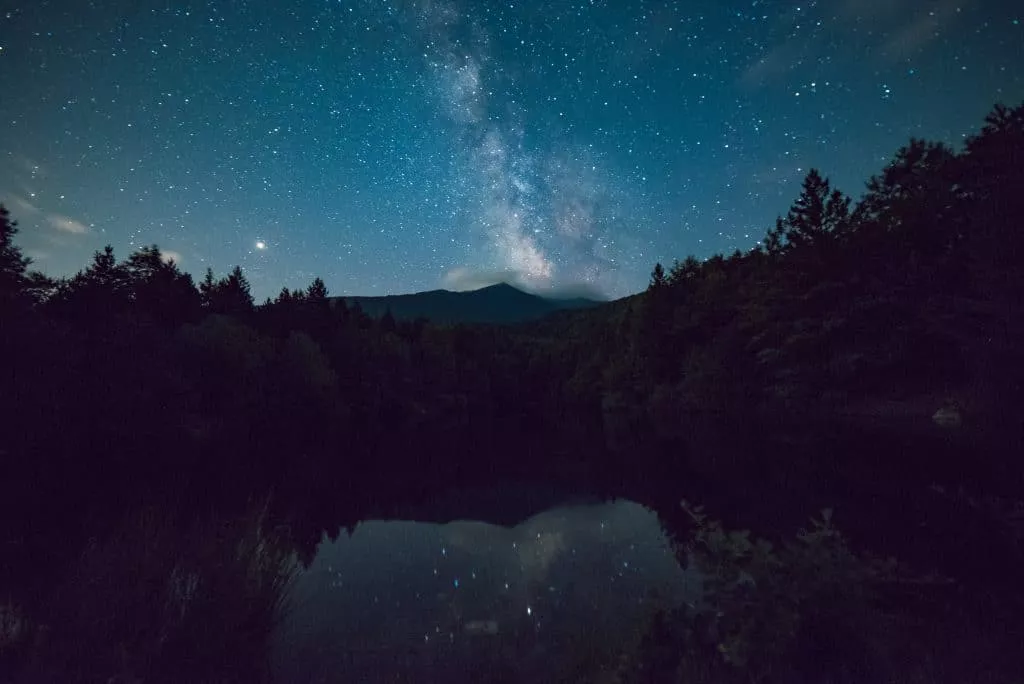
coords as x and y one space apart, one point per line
160 601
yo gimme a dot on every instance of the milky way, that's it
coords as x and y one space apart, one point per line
406 145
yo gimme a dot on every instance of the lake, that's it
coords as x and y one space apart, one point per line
561 593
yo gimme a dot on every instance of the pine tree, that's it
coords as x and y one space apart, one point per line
207 289
104 277
658 279
240 291
684 271
317 291
775 241
230 295
158 288
914 204
993 179
13 263
819 213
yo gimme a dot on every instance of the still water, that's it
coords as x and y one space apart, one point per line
560 594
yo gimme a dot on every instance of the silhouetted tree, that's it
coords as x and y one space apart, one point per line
775 240
102 290
657 277
912 215
317 291
237 286
993 179
105 271
818 213
284 297
207 288
13 263
684 271
229 295
39 286
159 289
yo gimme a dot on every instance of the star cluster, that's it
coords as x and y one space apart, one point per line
392 146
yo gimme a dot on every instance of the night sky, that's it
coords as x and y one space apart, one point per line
399 146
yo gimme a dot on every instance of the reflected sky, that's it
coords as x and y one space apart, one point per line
562 592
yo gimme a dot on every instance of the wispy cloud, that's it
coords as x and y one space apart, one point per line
883 30
66 224
464 279
919 29
773 64
169 255
31 167
20 204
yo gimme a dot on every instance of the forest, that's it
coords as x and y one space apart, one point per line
172 451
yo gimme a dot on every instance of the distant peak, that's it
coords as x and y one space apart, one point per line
497 287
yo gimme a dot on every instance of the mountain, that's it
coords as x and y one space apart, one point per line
501 304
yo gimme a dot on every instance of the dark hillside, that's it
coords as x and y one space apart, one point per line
498 304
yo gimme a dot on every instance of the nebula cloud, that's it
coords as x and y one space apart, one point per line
542 206
501 192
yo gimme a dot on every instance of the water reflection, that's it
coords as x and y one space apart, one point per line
470 601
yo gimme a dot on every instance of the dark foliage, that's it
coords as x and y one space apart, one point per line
866 358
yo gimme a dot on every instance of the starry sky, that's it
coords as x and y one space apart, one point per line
392 146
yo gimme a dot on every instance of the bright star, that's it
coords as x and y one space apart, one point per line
260 244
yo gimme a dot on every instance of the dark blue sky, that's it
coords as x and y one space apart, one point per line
405 145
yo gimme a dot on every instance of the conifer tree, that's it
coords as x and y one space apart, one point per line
317 291
13 263
818 213
658 279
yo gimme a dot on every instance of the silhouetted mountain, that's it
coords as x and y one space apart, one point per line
501 303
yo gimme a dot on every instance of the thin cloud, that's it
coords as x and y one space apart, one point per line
32 167
22 205
67 225
920 29
464 279
772 65
169 255
886 31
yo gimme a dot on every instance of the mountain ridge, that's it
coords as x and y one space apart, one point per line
500 303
